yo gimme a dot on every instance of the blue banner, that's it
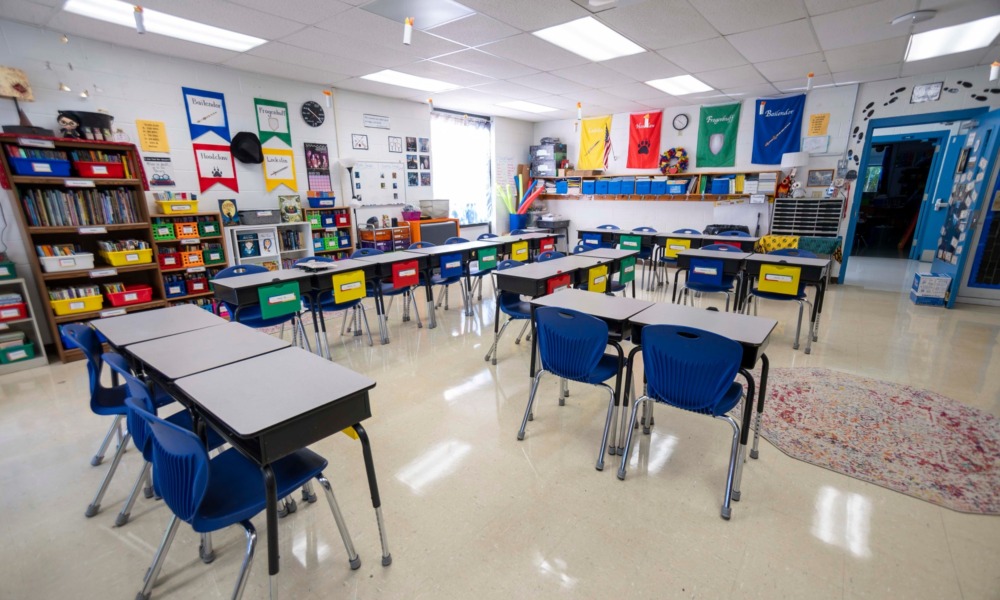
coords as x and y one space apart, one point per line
777 128
206 112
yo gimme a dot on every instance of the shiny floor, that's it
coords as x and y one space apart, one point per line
473 513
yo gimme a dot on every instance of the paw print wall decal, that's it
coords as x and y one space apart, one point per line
643 147
216 172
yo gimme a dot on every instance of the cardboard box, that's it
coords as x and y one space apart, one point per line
926 300
931 284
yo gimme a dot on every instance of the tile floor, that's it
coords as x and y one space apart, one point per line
473 513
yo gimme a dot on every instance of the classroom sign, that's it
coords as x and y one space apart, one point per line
215 166
777 128
206 113
717 128
279 169
272 120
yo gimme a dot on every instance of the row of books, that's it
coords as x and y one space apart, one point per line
75 291
57 249
123 245
11 298
19 152
63 208
95 156
11 339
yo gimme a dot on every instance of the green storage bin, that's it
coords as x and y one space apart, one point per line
209 229
331 243
214 257
163 232
315 221
15 354
7 270
279 299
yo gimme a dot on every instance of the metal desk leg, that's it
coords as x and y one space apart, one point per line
812 318
468 292
383 324
744 433
673 293
319 328
373 488
431 317
765 366
271 512
534 345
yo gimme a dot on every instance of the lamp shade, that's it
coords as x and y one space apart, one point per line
348 163
791 160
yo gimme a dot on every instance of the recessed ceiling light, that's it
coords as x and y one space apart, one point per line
121 13
591 39
949 40
406 80
680 85
526 106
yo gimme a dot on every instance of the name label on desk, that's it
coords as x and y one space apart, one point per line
677 247
706 270
629 269
408 273
776 277
453 265
113 313
91 230
350 286
103 273
282 299
599 279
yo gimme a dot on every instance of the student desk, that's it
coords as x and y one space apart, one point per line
466 251
533 279
753 335
613 237
616 256
152 324
272 405
698 240
814 272
383 273
732 266
534 242
322 283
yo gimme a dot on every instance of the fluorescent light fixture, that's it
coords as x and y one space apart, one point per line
591 39
122 13
406 80
526 106
949 40
680 85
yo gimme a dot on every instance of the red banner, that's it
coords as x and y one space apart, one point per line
644 140
215 165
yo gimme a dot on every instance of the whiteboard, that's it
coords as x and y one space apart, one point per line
379 183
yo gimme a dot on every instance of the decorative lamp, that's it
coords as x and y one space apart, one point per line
348 163
791 161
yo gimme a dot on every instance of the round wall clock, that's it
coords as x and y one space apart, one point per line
312 114
681 121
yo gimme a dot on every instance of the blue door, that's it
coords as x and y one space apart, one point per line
935 204
973 177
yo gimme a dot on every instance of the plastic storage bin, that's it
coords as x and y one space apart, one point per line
73 306
615 186
126 258
12 312
213 257
588 187
260 217
562 187
342 219
192 259
14 354
186 230
98 170
198 285
175 289
163 232
209 229
133 294
411 215
676 188
315 221
627 185
40 167
75 262
658 188
643 186
169 261
7 270
601 186
322 202
179 207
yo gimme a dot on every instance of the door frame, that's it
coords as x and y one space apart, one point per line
921 119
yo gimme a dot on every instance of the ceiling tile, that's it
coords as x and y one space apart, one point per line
779 41
868 74
256 64
862 24
793 66
560 102
549 83
730 78
474 30
820 7
26 12
951 12
624 106
221 14
659 24
507 89
486 64
597 97
951 62
873 54
358 23
341 45
707 55
532 50
303 11
765 90
733 17
594 75
529 15
644 67
425 13
374 87
295 55
436 70
639 92
798 84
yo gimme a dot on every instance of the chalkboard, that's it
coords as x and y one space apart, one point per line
379 183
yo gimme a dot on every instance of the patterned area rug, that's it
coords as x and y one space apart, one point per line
908 440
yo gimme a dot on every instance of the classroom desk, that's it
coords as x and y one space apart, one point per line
534 241
616 256
322 283
732 266
467 250
613 237
752 333
273 405
532 279
814 273
152 324
701 239
383 272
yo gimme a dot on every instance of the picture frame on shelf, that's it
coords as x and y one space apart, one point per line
820 178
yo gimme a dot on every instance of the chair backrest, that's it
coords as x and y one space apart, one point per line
705 271
793 252
735 233
688 368
518 231
415 245
570 343
455 240
86 340
686 230
238 270
508 264
361 252
323 259
180 464
139 394
550 255
580 248
721 248
608 226
486 236
645 229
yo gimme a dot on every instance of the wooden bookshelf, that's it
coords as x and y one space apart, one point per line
210 241
342 224
698 187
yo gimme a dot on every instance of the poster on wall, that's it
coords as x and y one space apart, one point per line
717 129
152 136
594 134
279 169
206 112
318 167
272 120
159 170
644 140
777 128
215 166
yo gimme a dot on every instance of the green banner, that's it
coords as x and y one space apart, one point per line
279 299
717 127
272 120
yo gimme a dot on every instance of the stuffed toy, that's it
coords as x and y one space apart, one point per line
784 187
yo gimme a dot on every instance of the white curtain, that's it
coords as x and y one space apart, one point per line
460 165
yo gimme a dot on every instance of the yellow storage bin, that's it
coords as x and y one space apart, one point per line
77 305
348 286
519 251
675 246
597 279
127 258
779 279
177 207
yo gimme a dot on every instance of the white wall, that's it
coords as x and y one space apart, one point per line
511 140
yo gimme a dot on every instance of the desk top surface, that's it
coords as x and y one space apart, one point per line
717 254
452 248
602 306
777 259
390 257
204 349
550 268
745 329
260 279
337 266
256 394
608 253
522 237
616 231
152 324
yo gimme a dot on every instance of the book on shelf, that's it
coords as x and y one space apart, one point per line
248 244
63 208
268 246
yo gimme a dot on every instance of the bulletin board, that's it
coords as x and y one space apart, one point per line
379 183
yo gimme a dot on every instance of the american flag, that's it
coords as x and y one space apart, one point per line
607 146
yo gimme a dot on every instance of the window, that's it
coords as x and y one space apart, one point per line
872 178
460 165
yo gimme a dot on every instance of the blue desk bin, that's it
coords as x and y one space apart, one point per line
588 186
601 186
40 167
643 186
658 188
322 202
562 187
627 185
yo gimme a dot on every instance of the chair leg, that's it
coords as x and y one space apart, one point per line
95 505
364 317
727 510
343 325
798 326
563 391
531 401
352 555
496 340
446 289
809 334
308 495
99 457
158 558
241 581
206 552
416 310
523 329
607 427
628 438
126 511
727 301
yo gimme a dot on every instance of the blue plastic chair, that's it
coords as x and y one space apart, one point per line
212 494
571 346
709 284
580 247
518 231
443 282
800 297
251 315
735 233
549 255
389 291
326 303
609 227
511 305
692 370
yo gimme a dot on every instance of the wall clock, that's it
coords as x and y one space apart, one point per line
681 121
312 114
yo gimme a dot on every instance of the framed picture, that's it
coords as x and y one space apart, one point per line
928 92
411 162
359 141
412 179
425 161
395 144
820 178
411 144
425 178
963 160
425 144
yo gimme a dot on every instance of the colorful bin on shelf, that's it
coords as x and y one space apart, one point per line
331 243
13 312
197 285
40 167
127 258
133 294
192 259
178 207
73 306
175 289
170 261
7 270
15 354
315 221
213 256
322 202
98 170
186 230
73 262
164 232
209 229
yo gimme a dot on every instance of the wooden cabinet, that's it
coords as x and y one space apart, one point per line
189 250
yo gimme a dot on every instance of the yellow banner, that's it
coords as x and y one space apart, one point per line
279 169
592 134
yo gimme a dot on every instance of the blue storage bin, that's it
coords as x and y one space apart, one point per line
615 186
322 202
592 240
658 188
601 186
643 186
676 188
627 185
562 187
40 167
720 185
588 186
175 289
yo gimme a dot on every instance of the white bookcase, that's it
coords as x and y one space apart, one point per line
265 252
28 325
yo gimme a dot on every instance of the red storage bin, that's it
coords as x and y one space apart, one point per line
170 261
133 294
11 312
197 285
405 274
547 244
98 170
343 220
557 283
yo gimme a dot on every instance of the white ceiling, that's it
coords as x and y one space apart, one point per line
743 48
